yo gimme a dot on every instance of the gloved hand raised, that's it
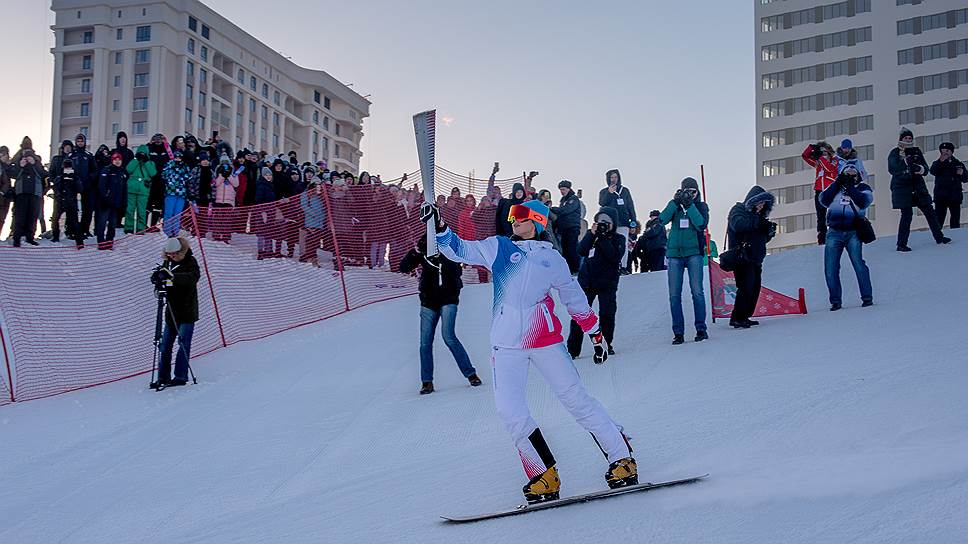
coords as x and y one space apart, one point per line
600 345
429 211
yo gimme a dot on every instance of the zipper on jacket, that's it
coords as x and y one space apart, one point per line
547 316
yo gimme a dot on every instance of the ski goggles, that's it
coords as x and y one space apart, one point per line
524 213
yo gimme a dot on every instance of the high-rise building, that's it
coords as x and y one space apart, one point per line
857 69
177 66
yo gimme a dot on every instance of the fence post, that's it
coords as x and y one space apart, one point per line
6 359
339 258
211 287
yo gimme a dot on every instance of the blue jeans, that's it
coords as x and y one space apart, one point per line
694 265
184 335
428 326
174 206
837 241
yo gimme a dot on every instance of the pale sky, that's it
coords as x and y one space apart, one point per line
568 88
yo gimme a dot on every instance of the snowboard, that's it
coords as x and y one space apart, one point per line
525 508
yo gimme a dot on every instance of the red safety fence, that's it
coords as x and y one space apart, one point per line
71 319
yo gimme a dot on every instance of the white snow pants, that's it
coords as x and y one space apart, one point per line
510 367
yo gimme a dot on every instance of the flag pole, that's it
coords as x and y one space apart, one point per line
709 257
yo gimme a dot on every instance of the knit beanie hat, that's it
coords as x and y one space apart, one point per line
564 183
539 208
846 144
905 132
947 145
690 183
266 171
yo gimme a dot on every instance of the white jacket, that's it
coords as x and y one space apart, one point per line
523 312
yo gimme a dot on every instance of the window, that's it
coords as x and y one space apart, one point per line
241 77
115 128
140 104
115 106
337 129
119 57
325 146
85 109
275 141
326 103
189 91
86 62
204 53
238 98
119 34
252 83
205 32
188 118
88 36
203 76
143 34
202 98
275 119
316 97
85 130
316 117
190 69
252 130
85 85
326 123
276 98
265 112
192 24
336 151
251 105
238 120
262 135
142 56
201 123
141 80
315 139
117 81
191 46
265 90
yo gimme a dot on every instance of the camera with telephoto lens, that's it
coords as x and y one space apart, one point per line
161 278
602 227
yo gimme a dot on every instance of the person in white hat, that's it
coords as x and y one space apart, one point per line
182 275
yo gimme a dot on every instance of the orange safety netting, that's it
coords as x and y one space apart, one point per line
73 319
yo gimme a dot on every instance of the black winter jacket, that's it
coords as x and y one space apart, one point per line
947 183
568 212
433 294
747 227
600 270
502 225
907 187
620 200
655 235
183 294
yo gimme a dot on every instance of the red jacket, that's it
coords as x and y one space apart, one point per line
825 170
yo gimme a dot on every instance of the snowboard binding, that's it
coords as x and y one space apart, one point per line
622 473
543 487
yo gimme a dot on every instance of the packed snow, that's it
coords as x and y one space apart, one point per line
831 427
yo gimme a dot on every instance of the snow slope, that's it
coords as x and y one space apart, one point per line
844 427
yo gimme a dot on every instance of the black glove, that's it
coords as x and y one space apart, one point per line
815 151
686 199
429 211
677 198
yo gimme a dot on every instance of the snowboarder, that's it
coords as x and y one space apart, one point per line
525 331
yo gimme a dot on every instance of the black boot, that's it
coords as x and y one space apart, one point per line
474 380
739 324
700 336
678 339
427 388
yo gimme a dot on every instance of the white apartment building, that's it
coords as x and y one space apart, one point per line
858 69
177 66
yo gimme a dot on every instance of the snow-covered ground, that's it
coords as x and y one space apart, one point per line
830 427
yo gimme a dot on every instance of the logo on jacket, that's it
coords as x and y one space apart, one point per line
516 257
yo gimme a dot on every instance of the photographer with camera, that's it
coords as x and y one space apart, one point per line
618 197
907 167
949 176
749 231
846 202
822 157
28 170
176 281
686 250
568 224
67 186
602 249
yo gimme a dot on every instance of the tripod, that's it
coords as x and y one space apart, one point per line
160 294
